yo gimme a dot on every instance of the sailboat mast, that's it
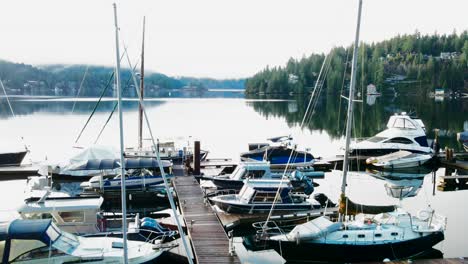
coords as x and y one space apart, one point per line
142 88
350 102
122 161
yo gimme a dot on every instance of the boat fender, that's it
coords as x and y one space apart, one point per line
424 214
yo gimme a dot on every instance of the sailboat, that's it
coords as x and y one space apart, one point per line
392 235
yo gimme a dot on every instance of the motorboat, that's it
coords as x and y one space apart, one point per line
399 159
141 173
41 241
279 153
84 216
403 133
299 178
66 169
394 235
258 196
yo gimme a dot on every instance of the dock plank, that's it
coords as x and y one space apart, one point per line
209 240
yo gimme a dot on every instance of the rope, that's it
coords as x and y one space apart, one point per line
291 154
8 100
79 89
109 81
115 107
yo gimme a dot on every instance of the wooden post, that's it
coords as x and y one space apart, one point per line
196 158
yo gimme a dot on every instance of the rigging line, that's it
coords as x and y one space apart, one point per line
79 89
115 107
313 92
8 100
109 81
319 89
291 154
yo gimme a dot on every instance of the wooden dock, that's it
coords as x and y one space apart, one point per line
209 240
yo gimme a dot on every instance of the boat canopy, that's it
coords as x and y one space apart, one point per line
110 164
42 230
313 229
403 121
62 204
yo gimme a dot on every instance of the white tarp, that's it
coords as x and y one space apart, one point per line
313 229
92 152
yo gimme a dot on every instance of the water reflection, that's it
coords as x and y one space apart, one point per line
371 117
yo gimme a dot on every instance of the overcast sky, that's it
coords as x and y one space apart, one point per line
209 38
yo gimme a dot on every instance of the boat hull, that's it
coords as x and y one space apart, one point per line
12 159
261 208
348 252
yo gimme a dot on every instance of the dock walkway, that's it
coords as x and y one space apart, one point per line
209 240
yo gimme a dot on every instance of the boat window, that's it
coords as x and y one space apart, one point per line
39 253
37 216
361 236
399 123
399 140
246 194
345 236
376 139
265 197
24 246
53 232
422 141
378 235
256 174
409 124
74 217
394 234
66 243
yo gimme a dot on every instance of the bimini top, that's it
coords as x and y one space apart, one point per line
43 230
110 164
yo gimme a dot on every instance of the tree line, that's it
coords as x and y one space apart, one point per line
20 78
430 60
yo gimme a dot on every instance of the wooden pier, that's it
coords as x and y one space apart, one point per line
209 240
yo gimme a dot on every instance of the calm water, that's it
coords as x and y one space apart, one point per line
225 122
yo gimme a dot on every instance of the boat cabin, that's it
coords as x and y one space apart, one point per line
264 191
75 215
251 170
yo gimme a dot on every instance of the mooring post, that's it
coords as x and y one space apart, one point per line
196 158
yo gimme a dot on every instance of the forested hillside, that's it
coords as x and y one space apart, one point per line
431 60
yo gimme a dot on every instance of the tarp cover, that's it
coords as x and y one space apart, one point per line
110 164
313 229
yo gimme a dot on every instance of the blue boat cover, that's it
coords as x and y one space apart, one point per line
130 163
30 229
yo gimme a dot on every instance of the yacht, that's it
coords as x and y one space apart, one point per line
258 196
279 153
403 133
41 241
299 178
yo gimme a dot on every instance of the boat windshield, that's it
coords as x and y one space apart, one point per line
66 243
246 193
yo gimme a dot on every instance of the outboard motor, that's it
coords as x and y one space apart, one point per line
151 229
324 200
307 182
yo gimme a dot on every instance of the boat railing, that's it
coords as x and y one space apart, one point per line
211 193
267 229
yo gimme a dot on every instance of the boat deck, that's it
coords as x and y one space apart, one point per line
209 240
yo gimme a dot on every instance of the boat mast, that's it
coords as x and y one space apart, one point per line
142 88
350 104
122 161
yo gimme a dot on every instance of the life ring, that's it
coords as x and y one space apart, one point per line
424 214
